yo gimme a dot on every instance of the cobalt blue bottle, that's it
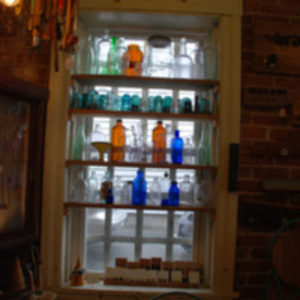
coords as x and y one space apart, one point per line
174 194
109 199
176 148
139 189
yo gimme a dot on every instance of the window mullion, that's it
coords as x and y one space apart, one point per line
107 238
170 233
138 234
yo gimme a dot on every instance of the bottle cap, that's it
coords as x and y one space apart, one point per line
119 120
177 133
159 122
174 182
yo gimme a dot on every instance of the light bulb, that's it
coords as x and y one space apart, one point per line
10 2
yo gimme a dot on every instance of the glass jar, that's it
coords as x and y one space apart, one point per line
132 60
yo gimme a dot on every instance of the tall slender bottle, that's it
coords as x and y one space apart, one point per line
139 189
177 148
165 185
204 148
183 64
159 143
112 65
118 140
102 50
79 142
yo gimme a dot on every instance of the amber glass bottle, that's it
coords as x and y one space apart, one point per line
118 140
159 143
132 61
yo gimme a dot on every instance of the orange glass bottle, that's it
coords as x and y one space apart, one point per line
159 143
118 140
132 61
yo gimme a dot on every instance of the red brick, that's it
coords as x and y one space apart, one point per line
257 279
249 159
32 58
249 185
250 6
247 19
253 132
252 266
284 134
261 252
253 240
271 172
246 146
288 82
269 119
280 9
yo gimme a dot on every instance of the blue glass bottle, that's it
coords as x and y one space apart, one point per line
174 194
176 148
109 199
126 102
139 189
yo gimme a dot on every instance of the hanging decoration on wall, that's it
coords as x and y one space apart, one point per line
277 49
47 21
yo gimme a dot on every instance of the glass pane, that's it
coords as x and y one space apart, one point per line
119 249
154 224
154 250
14 144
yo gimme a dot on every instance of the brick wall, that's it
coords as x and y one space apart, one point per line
261 212
17 57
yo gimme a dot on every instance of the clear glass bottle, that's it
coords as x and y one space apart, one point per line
177 148
85 55
204 148
118 140
199 67
79 190
188 152
155 192
186 191
174 194
159 143
117 189
93 188
126 194
165 185
79 143
183 64
133 59
102 49
139 189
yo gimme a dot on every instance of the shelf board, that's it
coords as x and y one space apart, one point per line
144 82
138 207
135 114
70 163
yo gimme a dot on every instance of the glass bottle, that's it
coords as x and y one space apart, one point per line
126 102
135 102
198 56
139 189
165 185
106 184
112 66
102 49
174 194
155 192
186 191
176 148
85 55
79 190
183 64
188 152
109 199
167 104
79 142
121 49
186 105
204 149
126 194
93 187
158 102
118 140
117 189
210 62
169 137
133 59
159 143
202 104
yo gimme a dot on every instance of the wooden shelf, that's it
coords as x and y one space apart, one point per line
70 163
144 82
135 114
68 205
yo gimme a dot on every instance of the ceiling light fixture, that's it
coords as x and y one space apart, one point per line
10 3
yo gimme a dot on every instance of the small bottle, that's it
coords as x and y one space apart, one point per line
174 194
133 58
159 143
135 102
155 192
165 185
118 140
102 50
188 152
183 64
158 102
203 151
186 191
139 189
106 184
79 190
117 190
186 105
167 104
203 104
176 148
93 188
109 199
126 194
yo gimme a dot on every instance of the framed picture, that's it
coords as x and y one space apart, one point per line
22 125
